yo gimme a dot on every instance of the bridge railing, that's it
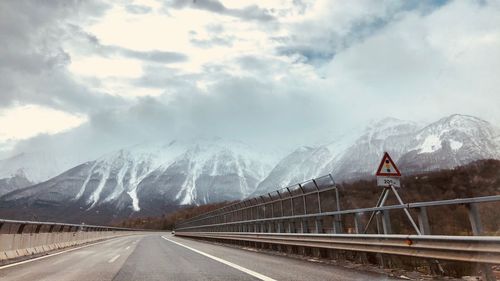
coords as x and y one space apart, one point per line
27 238
314 207
309 214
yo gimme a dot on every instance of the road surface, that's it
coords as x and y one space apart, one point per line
164 257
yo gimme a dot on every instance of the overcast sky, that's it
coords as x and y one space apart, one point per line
264 72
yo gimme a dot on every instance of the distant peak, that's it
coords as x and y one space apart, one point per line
20 173
460 119
387 121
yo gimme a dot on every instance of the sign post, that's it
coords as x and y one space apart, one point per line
388 177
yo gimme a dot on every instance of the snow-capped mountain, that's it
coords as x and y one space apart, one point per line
449 142
148 179
34 165
153 178
303 164
362 157
14 182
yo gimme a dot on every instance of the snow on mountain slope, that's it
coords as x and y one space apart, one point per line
150 176
14 182
206 172
452 141
115 177
304 163
362 157
449 142
37 166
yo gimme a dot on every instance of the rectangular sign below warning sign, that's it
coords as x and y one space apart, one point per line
388 181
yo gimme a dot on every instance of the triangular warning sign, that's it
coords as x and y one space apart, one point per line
387 167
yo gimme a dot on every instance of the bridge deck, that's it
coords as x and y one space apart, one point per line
150 257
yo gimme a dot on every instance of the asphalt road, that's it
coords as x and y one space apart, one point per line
153 257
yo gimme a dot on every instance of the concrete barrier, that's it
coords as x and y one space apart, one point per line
28 238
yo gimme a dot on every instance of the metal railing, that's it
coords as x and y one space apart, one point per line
310 215
288 201
456 248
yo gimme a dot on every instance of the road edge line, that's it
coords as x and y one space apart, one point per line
233 265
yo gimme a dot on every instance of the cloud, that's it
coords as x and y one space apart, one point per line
90 44
214 41
338 25
154 56
24 122
33 61
322 68
138 9
252 12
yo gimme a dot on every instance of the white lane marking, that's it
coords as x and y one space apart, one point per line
233 265
51 255
113 259
128 247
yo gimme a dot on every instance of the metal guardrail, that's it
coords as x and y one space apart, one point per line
273 204
284 217
228 222
456 248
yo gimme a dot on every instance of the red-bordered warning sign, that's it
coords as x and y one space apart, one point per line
387 167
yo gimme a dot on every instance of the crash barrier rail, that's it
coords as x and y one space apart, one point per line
309 214
456 248
26 238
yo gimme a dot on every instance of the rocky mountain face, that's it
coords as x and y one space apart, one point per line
449 142
143 180
151 179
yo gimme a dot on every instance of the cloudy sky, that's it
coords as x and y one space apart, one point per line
100 75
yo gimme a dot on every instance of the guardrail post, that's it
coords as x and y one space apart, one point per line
338 219
291 227
358 224
386 222
319 225
380 230
317 194
305 204
475 219
359 228
423 221
337 224
477 229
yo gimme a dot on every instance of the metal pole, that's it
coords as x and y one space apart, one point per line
281 202
319 198
477 229
303 199
380 202
423 221
406 210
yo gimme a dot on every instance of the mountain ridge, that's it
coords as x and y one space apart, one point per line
150 178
